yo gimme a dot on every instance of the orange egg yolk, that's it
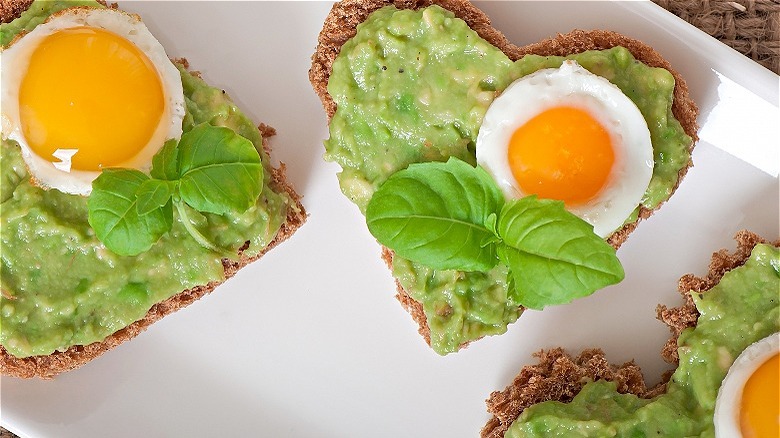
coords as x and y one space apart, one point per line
760 410
562 153
91 90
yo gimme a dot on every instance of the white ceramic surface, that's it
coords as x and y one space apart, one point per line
309 342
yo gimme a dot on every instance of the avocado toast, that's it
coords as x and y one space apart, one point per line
373 143
95 299
734 305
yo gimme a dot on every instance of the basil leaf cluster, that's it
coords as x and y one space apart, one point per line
453 216
211 170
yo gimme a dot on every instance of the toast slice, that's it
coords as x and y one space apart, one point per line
343 19
49 366
559 376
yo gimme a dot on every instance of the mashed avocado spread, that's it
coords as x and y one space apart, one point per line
413 86
742 309
60 286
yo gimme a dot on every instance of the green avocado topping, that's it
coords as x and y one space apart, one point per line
413 86
60 285
741 309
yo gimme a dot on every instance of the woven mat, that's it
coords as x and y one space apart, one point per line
752 27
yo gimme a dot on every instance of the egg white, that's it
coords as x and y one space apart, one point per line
728 402
572 85
15 62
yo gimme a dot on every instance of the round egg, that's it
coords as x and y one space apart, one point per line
748 402
88 89
567 134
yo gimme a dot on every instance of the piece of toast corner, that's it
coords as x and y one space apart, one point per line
559 376
341 23
49 366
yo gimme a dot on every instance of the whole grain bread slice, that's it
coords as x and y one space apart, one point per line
559 376
341 25
49 366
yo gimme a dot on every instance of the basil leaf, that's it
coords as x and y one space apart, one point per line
435 214
220 170
165 163
152 194
114 216
553 256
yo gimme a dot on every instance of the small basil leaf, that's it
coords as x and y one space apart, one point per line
435 214
491 222
220 170
152 194
114 216
553 256
165 162
489 240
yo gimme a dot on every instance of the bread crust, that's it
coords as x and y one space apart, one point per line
341 25
10 9
559 376
47 367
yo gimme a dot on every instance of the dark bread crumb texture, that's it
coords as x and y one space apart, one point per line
10 9
341 23
560 376
49 366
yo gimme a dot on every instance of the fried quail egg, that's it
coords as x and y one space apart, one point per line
568 134
88 89
748 402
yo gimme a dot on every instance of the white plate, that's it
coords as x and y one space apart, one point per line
309 342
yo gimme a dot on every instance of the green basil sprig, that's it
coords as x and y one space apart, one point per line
114 212
211 170
453 216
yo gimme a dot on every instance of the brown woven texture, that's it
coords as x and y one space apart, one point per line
752 27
